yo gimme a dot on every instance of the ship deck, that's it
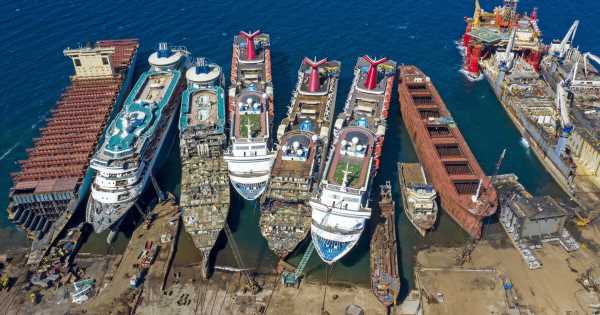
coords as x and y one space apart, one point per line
353 157
204 108
443 151
250 112
60 154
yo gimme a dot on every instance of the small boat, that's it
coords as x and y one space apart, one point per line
385 280
418 197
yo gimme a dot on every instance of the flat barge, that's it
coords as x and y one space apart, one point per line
418 197
466 194
55 177
303 138
385 278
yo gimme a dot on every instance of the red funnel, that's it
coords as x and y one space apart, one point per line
371 81
315 83
250 50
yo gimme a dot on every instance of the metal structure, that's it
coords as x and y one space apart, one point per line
293 278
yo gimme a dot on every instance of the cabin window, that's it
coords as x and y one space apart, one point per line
77 62
466 187
105 61
448 150
458 168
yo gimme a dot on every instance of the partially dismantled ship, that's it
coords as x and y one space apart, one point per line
466 194
341 206
250 156
385 278
418 197
303 138
204 178
55 177
551 93
133 146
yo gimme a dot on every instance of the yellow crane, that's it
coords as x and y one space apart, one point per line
582 221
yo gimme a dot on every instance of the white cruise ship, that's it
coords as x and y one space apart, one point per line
133 141
341 207
250 156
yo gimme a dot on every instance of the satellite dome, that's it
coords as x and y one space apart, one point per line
344 142
315 138
299 151
284 148
354 140
359 148
296 144
249 100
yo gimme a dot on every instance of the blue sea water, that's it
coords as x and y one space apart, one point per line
34 72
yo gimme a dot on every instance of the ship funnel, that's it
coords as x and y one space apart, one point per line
314 84
371 81
163 50
250 50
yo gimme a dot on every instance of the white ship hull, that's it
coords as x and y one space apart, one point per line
104 215
249 175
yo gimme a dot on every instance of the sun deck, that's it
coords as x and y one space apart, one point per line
351 158
250 116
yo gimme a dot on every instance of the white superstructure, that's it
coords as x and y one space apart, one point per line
249 156
341 208
133 141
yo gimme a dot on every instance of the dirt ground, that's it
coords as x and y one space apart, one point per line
553 289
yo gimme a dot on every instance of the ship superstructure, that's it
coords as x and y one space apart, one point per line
303 140
55 176
250 156
418 197
134 140
466 194
204 178
341 206
551 93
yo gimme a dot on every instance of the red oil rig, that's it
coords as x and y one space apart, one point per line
55 176
488 32
466 194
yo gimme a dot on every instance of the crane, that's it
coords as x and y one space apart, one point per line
563 90
560 50
586 83
506 60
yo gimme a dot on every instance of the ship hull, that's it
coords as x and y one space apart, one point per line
458 205
103 216
52 226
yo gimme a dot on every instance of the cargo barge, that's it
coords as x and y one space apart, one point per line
549 92
466 194
205 193
418 197
250 154
341 205
56 177
385 278
303 138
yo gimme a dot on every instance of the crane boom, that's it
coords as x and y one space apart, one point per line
567 40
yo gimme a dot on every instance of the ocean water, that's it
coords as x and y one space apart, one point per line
34 72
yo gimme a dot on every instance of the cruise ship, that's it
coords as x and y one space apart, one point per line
249 156
133 141
303 140
204 177
341 207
